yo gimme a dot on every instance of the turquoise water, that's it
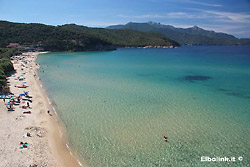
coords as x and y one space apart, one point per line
117 105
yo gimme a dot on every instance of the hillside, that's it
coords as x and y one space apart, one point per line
6 66
76 38
192 36
123 37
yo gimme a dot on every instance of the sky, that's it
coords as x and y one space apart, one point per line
229 16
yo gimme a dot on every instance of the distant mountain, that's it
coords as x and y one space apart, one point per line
72 37
192 36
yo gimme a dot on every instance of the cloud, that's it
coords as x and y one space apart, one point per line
226 16
180 15
204 4
146 16
218 16
183 1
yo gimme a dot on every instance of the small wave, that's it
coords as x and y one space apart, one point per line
79 163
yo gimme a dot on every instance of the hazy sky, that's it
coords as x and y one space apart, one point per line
230 16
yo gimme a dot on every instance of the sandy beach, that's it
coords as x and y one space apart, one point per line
29 134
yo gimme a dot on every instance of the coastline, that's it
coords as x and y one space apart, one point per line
48 145
58 139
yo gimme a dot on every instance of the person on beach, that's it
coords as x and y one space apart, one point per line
165 138
28 104
24 145
49 113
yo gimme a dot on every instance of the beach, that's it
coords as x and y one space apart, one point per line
30 135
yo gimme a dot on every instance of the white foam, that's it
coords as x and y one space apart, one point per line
79 163
49 101
67 146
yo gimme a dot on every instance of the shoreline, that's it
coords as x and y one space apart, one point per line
48 144
59 140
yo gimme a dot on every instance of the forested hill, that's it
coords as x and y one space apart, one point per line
193 35
72 37
6 67
123 37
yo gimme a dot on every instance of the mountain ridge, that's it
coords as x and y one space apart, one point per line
185 36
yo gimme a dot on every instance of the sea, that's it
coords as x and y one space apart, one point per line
117 105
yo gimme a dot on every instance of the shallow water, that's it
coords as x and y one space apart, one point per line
117 105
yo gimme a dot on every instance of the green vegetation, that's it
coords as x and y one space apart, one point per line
51 38
76 38
192 36
5 64
123 37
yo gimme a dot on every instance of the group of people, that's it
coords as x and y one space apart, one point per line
16 100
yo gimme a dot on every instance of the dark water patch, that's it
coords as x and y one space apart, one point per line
237 94
207 85
193 78
144 75
234 94
222 90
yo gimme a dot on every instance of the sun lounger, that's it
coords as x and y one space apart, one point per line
27 112
21 86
